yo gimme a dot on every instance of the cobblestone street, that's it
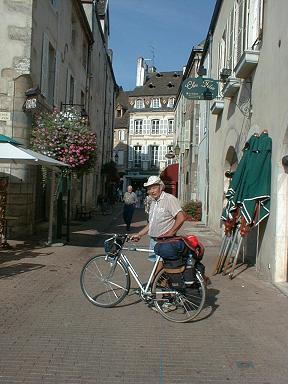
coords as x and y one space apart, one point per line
50 333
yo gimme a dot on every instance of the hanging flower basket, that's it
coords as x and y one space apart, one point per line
66 137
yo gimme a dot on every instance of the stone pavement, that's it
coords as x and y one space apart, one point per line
49 332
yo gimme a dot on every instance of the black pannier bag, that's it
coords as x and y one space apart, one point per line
173 252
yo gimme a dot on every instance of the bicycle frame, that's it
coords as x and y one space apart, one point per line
132 269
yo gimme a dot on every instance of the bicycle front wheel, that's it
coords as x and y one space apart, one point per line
179 306
105 281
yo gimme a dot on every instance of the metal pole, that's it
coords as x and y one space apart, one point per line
68 180
51 208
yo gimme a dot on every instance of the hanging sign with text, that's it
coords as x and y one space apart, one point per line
198 88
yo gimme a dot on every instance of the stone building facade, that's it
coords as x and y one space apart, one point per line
58 50
245 51
187 134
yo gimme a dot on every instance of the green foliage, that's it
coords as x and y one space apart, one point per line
193 209
66 137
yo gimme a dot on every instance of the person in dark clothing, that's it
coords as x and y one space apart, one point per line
130 200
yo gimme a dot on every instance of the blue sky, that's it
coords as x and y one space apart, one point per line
169 28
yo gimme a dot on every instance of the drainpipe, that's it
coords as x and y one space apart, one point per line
208 123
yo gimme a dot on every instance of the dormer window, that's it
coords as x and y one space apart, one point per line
155 103
118 112
151 85
170 85
171 102
139 104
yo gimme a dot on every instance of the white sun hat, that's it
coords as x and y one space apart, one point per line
153 180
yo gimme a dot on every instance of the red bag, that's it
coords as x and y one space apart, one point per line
195 246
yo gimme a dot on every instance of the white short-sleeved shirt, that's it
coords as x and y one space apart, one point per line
162 214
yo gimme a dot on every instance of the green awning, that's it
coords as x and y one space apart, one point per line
7 139
249 189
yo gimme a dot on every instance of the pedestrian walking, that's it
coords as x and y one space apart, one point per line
100 203
130 200
139 197
119 194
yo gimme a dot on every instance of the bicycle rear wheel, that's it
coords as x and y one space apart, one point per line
177 305
105 281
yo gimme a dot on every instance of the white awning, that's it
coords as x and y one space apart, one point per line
10 154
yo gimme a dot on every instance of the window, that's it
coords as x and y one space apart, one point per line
82 98
119 112
51 74
222 53
156 103
73 31
154 155
71 90
171 102
48 69
121 135
138 127
137 156
155 127
139 104
84 53
169 149
170 126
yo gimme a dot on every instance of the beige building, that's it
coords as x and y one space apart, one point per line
246 52
57 50
187 134
151 127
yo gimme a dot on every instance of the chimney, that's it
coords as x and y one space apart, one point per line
141 72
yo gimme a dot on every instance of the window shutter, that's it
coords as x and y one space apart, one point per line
254 21
161 152
148 127
240 30
187 133
57 78
144 126
231 41
165 127
130 154
143 152
149 153
67 86
161 127
45 65
131 128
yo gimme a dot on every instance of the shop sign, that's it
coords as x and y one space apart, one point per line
199 88
31 103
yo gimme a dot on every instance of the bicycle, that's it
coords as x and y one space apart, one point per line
105 281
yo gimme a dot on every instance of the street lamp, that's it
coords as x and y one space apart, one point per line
170 155
177 149
116 157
